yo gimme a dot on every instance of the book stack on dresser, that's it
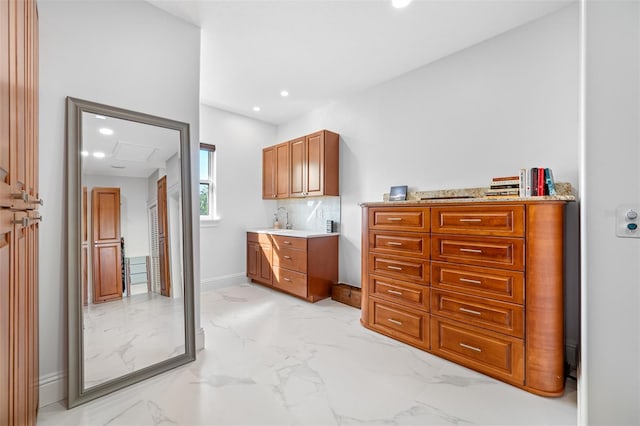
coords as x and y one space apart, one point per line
477 282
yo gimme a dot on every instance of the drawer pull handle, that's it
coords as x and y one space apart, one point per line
471 220
287 243
471 250
469 311
395 268
287 279
287 257
467 280
396 322
394 219
393 243
473 348
399 293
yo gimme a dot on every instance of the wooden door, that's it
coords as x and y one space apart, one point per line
253 260
105 227
33 279
6 311
85 249
5 109
163 239
298 168
282 170
314 161
20 318
265 263
269 173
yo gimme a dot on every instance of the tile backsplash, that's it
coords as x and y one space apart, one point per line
311 214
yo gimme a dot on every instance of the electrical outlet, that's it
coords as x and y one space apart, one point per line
628 221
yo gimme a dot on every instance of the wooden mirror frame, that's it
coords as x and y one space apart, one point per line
77 394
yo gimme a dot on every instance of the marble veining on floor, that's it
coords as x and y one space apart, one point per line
271 359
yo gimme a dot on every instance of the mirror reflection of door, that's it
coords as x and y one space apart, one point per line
107 249
163 239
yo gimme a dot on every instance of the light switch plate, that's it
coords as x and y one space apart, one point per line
628 221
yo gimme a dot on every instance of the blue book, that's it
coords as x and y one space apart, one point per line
548 177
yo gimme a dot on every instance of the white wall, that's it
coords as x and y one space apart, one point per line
507 103
134 218
610 376
126 54
239 141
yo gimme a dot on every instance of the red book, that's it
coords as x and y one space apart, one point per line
540 181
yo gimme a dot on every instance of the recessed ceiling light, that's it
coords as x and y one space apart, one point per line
284 93
399 4
85 153
106 131
256 108
100 117
99 154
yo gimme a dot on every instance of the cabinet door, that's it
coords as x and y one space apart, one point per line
20 320
6 298
6 138
265 264
298 168
269 172
253 260
314 161
282 170
107 264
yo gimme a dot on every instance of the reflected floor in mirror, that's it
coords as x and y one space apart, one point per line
125 335
271 359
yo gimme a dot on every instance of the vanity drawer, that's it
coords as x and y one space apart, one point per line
498 284
490 314
402 268
498 252
406 218
400 243
507 221
405 293
290 281
255 237
491 353
280 242
295 260
399 322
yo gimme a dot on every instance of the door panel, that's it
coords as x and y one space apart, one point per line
105 226
6 298
315 160
297 167
163 238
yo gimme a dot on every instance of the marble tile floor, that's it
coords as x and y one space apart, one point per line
271 359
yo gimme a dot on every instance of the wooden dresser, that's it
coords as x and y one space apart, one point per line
478 283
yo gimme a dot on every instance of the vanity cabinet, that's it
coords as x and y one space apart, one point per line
275 171
303 167
304 267
478 283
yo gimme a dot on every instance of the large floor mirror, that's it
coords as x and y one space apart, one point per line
131 309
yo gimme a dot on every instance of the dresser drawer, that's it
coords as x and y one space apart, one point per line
280 241
399 322
490 314
295 260
290 281
491 353
400 243
498 284
505 221
393 218
402 268
498 252
405 293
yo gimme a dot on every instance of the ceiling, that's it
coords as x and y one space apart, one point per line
133 150
322 50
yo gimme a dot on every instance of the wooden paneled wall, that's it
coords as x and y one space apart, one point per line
19 216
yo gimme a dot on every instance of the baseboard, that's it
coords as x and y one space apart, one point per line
223 281
199 339
53 388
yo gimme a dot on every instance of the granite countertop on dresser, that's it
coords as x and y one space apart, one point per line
471 195
294 233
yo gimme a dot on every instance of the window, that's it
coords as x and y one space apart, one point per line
207 182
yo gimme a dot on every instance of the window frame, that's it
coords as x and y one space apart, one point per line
212 218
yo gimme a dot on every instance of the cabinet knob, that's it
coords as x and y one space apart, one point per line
38 201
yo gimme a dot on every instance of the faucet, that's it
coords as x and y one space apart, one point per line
287 225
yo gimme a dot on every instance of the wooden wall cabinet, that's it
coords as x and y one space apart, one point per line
304 167
304 267
19 218
480 284
275 171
